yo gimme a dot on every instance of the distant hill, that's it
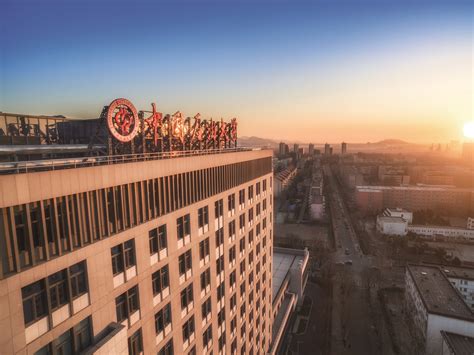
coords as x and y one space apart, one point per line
391 142
256 142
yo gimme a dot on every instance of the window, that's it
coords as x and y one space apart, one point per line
251 237
231 228
185 262
219 208
123 255
232 253
231 202
221 317
242 310
258 210
206 308
158 239
117 259
241 197
233 301
135 343
183 226
129 252
167 349
203 216
204 248
257 188
160 280
206 279
58 289
242 288
250 215
207 336
264 205
78 275
258 230
163 318
242 221
220 291
187 296
232 278
220 264
188 329
250 192
219 237
34 301
251 257
222 341
242 244
264 185
233 324
242 267
127 303
192 351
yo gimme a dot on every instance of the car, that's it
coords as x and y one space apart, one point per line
348 262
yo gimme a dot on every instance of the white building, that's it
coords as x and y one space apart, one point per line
449 232
283 179
470 223
392 225
399 212
435 306
463 279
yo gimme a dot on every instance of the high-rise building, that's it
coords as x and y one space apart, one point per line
327 149
295 148
311 149
146 253
282 149
343 148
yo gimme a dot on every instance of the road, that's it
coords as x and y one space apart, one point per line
357 326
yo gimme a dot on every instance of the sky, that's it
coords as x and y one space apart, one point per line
315 71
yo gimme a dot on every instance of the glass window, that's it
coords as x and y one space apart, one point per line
34 302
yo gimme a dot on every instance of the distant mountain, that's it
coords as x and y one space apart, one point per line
391 142
256 142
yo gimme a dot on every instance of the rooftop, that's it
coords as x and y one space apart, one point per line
459 344
437 293
391 219
283 260
465 273
397 210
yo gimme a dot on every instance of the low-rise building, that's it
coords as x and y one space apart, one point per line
399 212
453 233
392 225
283 179
456 344
462 278
289 278
435 306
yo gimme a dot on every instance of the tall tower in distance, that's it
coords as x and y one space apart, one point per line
327 149
344 148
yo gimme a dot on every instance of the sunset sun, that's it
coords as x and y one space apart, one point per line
468 130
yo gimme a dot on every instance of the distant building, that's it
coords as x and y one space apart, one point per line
282 149
454 233
283 179
296 147
330 150
392 225
468 152
311 149
435 306
327 149
470 223
399 212
344 148
444 199
289 278
462 278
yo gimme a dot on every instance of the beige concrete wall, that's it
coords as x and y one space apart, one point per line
98 256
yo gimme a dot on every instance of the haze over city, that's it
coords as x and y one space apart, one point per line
357 71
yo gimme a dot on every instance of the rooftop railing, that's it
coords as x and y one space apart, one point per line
81 162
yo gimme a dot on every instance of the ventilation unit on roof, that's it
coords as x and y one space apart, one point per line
424 273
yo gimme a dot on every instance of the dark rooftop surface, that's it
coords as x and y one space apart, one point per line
437 293
459 344
458 272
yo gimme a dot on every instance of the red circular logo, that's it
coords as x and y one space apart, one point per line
122 119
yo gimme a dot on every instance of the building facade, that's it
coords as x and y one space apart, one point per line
167 256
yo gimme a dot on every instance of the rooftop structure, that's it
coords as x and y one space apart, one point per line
455 344
437 293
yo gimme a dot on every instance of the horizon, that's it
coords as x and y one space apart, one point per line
347 71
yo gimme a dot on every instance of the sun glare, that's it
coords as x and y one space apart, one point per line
469 130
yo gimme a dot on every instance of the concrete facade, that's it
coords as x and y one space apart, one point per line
239 322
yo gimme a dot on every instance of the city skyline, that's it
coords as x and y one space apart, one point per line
382 70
